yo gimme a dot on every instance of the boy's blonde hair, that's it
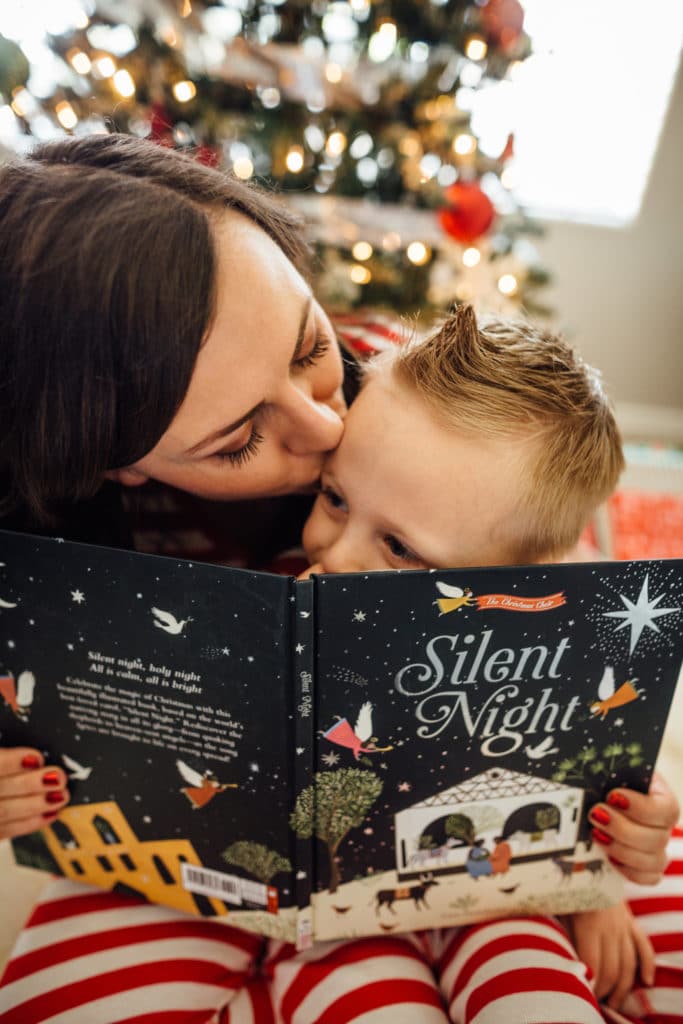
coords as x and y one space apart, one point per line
510 379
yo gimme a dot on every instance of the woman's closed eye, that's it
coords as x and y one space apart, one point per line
321 345
240 456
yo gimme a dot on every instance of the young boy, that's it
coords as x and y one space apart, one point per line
489 444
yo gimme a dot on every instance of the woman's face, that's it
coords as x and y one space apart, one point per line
264 402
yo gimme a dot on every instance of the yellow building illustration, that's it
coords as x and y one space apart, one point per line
94 843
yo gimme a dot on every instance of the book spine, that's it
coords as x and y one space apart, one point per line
303 674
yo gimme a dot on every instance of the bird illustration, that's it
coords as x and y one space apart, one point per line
343 735
542 749
75 770
510 889
168 622
7 604
202 788
609 697
18 694
341 910
453 598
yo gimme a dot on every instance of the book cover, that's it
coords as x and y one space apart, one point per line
347 755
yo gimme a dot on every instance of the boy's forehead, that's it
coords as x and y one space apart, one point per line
455 492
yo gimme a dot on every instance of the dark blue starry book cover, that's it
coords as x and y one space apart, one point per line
346 755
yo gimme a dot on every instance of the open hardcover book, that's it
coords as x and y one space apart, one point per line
340 756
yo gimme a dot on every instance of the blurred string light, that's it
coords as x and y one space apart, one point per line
418 253
66 115
295 159
184 91
360 274
104 66
124 84
362 251
507 284
471 256
382 43
79 61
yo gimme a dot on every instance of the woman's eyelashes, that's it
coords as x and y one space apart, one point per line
243 454
321 345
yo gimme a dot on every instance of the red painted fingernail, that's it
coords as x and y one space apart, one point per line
618 863
30 761
51 779
55 798
50 814
618 800
600 837
600 815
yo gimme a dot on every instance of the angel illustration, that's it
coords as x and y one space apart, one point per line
610 697
343 735
453 598
201 789
18 694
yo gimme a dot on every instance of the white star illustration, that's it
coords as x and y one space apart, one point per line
640 615
300 648
359 616
225 650
78 596
330 759
404 787
70 647
300 750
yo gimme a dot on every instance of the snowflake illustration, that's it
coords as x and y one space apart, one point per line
330 759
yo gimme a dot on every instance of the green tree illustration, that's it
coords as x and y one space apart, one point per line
594 771
459 826
337 802
257 859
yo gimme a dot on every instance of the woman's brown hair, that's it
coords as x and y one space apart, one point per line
107 288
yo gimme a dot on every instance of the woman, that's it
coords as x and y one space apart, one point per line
156 324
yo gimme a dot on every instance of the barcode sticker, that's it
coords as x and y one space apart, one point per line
207 882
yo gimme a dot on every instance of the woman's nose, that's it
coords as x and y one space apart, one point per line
311 426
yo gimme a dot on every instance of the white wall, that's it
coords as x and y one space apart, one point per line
619 292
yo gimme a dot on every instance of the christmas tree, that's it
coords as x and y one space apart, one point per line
358 112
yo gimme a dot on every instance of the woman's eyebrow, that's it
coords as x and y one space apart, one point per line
224 431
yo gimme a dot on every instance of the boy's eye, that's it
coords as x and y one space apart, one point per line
320 347
333 499
399 550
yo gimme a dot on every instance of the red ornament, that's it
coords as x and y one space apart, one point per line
469 214
210 156
503 21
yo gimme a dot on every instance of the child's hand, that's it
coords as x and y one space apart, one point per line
635 828
309 572
614 947
31 793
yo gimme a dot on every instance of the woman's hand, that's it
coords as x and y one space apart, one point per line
31 793
635 827
612 944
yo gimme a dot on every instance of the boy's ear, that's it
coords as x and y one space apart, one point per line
129 476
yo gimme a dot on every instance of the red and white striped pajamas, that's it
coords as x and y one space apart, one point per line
88 957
